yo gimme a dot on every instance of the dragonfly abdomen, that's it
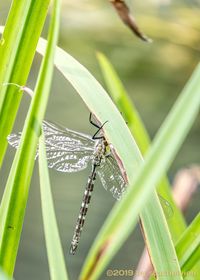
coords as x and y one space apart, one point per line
83 212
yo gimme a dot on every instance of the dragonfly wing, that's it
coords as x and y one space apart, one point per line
111 177
67 150
64 138
64 161
14 139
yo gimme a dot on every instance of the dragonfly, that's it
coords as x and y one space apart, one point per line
71 151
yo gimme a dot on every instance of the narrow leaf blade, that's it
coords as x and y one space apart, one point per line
118 93
54 249
17 188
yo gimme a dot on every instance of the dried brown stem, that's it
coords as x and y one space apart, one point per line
125 15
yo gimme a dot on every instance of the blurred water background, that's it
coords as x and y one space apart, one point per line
153 74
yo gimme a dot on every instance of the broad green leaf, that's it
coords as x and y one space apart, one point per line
120 96
54 249
154 228
100 104
17 187
17 49
158 239
188 246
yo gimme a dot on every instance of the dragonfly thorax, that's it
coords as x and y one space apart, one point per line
101 150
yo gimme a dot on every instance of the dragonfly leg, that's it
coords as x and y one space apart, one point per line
91 121
95 137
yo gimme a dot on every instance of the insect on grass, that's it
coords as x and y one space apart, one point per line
71 151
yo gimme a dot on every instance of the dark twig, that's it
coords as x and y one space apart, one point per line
125 15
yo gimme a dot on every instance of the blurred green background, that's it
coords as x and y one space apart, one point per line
154 74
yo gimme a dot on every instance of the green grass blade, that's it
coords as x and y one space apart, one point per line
54 249
194 272
17 187
158 239
125 105
98 102
154 231
188 246
17 50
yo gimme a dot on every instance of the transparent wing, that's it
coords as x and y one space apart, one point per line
14 139
111 177
64 138
67 150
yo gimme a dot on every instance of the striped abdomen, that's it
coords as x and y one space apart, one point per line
83 211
